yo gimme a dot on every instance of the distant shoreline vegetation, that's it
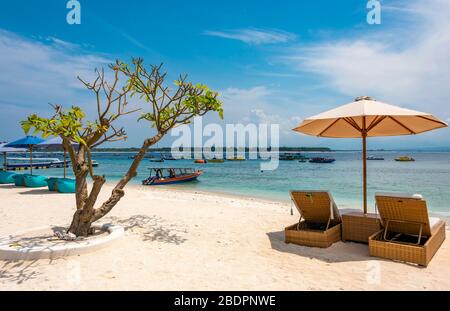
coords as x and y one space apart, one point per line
168 149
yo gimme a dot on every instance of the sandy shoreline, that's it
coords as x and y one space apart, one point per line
192 240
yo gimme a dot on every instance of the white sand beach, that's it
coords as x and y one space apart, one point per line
181 240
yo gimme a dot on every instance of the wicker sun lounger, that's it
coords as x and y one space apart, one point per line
408 233
320 222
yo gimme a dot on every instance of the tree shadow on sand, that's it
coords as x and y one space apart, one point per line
150 228
338 252
18 271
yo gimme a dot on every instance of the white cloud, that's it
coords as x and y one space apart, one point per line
35 72
245 95
406 63
286 122
261 104
254 36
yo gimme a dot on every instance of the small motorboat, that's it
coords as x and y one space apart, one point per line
200 161
374 158
286 157
404 159
157 160
215 160
166 176
236 159
292 157
322 160
168 158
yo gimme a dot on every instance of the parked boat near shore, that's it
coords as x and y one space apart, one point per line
375 158
166 176
404 159
236 159
215 160
322 160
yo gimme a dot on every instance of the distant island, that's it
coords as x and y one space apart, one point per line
168 149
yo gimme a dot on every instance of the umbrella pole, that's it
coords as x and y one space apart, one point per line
364 138
365 173
31 159
64 162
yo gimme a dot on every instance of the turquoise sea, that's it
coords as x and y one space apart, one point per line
429 175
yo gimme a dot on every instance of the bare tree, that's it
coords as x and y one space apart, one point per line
167 109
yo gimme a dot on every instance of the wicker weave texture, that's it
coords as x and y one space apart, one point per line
406 213
314 206
359 227
418 254
312 238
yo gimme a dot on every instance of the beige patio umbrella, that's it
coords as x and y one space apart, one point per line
366 117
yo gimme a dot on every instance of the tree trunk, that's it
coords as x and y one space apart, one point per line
86 214
81 224
118 192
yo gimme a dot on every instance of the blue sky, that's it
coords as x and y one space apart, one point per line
271 61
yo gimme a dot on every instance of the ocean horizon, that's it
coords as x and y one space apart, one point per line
428 176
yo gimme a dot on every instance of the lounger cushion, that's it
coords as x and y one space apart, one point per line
434 222
399 195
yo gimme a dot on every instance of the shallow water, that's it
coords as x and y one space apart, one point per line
429 175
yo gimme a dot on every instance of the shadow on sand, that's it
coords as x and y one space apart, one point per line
18 271
338 252
150 228
8 186
39 191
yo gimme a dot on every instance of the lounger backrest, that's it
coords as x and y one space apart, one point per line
409 211
316 206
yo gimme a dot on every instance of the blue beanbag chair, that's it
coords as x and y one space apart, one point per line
35 181
51 183
7 177
65 185
19 180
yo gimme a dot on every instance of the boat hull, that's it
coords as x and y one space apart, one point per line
325 161
175 180
216 161
36 165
